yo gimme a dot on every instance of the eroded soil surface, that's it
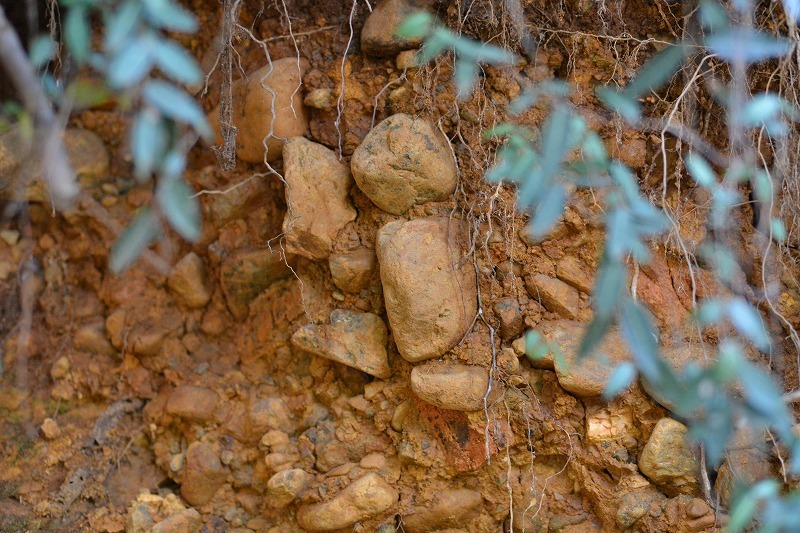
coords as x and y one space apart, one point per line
321 358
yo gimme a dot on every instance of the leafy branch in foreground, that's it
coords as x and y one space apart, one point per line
730 390
167 120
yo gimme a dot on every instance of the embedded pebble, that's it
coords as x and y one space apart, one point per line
186 521
197 404
588 376
86 152
189 282
246 274
286 486
203 474
668 461
364 498
357 340
404 161
379 35
93 339
60 367
351 271
511 317
50 429
268 104
555 295
317 198
450 385
451 509
430 291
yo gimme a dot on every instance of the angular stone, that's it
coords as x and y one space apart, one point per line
245 274
450 385
269 103
285 486
668 461
50 429
555 295
570 271
451 509
511 318
357 340
379 35
317 196
429 289
85 150
189 282
587 377
364 498
197 404
203 474
402 162
351 271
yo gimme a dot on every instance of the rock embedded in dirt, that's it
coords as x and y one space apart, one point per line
268 103
50 429
285 486
570 271
451 509
364 498
203 474
186 521
668 461
429 287
196 404
450 385
357 340
270 414
379 35
747 461
402 162
555 295
245 274
85 150
317 196
587 377
93 339
189 282
511 318
636 504
351 271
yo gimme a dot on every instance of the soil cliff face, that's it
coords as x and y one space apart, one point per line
343 349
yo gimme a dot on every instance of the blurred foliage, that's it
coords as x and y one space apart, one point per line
137 65
730 390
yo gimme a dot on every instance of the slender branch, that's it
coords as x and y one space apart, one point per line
56 167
